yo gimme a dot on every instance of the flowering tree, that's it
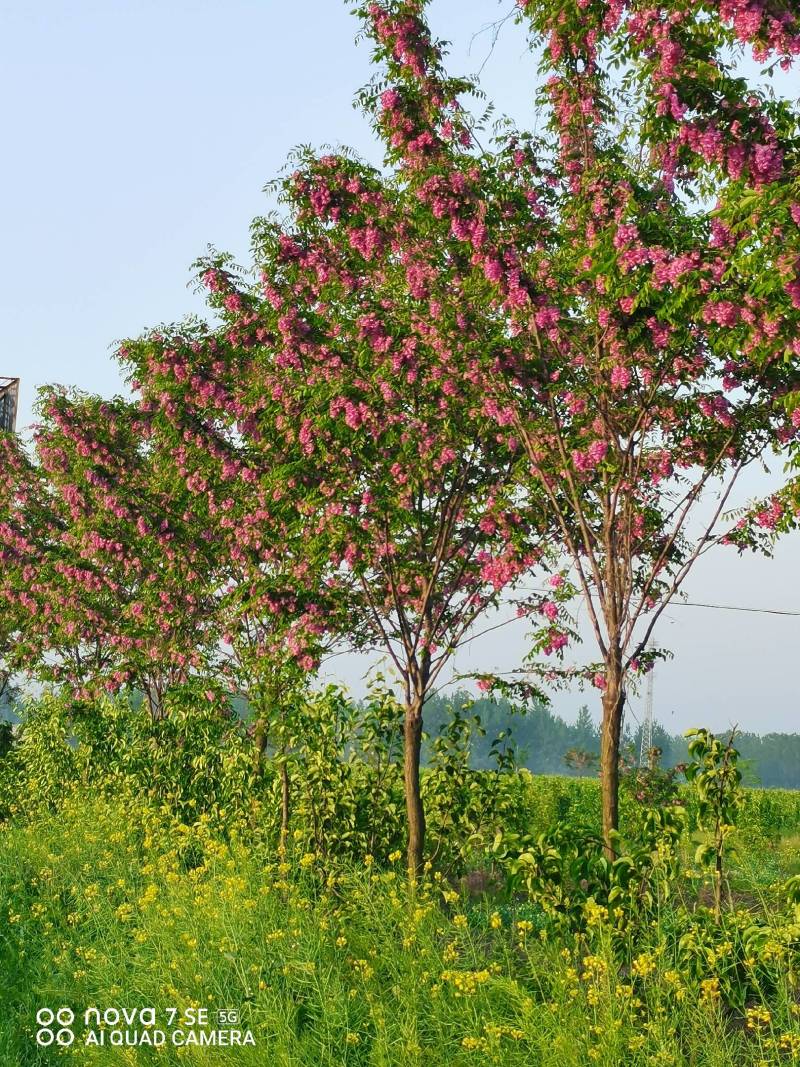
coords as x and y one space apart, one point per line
374 354
48 632
270 610
19 497
362 491
650 321
117 585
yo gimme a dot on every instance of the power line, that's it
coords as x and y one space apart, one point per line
730 607
675 603
698 604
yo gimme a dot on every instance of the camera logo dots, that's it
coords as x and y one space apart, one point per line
54 1027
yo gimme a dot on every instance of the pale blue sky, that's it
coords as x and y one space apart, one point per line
136 133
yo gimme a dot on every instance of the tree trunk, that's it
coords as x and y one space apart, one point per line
285 800
155 702
613 705
260 737
412 738
718 882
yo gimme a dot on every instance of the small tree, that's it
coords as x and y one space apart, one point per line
16 550
34 560
381 489
138 587
717 783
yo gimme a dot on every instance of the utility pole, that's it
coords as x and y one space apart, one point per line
647 721
9 396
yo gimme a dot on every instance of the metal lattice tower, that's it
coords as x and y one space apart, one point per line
647 721
9 393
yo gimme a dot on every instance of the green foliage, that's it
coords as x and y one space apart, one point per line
644 789
465 807
193 760
42 764
566 872
716 779
6 738
346 770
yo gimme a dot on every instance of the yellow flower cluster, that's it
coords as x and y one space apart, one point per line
363 968
596 914
789 1044
644 965
757 1018
491 1040
593 967
450 952
465 983
709 991
495 1030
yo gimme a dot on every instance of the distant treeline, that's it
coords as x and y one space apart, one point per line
543 741
547 744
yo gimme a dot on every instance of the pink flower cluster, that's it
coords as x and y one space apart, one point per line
620 377
769 517
549 609
499 571
716 407
722 312
556 640
770 30
591 457
793 289
407 37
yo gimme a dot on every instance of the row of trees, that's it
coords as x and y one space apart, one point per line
545 743
479 364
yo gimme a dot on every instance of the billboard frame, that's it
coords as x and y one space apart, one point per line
9 401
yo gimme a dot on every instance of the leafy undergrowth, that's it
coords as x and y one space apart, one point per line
110 903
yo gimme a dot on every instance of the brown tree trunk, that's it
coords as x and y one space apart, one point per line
611 729
718 880
155 702
285 800
412 737
259 742
264 701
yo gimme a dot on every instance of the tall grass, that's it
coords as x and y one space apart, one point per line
110 903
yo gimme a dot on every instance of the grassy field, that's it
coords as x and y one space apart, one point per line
109 903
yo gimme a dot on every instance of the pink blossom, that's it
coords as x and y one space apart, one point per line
594 455
722 312
556 640
620 377
493 269
769 517
390 99
793 289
